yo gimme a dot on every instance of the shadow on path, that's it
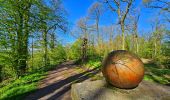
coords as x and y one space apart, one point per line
56 90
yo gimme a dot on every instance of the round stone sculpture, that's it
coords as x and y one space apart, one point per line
123 69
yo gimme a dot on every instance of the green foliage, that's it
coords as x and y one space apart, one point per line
23 20
18 89
20 21
145 50
36 62
7 70
57 55
165 57
93 62
74 52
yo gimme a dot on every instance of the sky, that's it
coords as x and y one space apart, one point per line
75 10
79 8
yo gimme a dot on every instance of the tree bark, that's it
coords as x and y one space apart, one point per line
32 53
45 47
84 50
52 44
123 35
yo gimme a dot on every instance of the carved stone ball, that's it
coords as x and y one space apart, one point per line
123 69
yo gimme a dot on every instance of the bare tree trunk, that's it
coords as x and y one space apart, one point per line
122 15
93 46
137 45
110 40
97 28
123 35
136 42
99 42
84 50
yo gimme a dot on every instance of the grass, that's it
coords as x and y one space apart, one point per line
12 89
153 72
156 74
19 88
93 63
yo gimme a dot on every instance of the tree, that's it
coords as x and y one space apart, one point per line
162 5
82 25
18 12
58 54
51 17
157 35
165 49
133 27
52 40
74 50
122 12
94 12
21 19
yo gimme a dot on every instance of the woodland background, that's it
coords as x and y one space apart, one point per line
29 45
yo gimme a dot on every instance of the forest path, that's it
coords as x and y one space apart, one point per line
57 84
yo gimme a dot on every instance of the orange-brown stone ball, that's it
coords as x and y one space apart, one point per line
123 69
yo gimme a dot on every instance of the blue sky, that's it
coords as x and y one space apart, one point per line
78 8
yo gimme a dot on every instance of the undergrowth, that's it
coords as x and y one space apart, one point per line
19 88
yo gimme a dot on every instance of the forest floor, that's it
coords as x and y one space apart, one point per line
57 84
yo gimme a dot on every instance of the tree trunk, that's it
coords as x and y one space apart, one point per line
98 36
19 46
45 47
123 35
84 50
136 42
97 29
110 41
22 39
25 36
32 53
52 44
137 45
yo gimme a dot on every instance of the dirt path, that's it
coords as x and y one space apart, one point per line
57 85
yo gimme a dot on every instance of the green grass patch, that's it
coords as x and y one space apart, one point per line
156 74
91 64
153 72
19 88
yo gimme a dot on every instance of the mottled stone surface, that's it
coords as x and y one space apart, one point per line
100 90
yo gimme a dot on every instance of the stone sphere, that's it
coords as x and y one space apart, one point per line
123 69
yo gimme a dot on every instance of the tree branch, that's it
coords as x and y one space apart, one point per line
112 9
127 10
